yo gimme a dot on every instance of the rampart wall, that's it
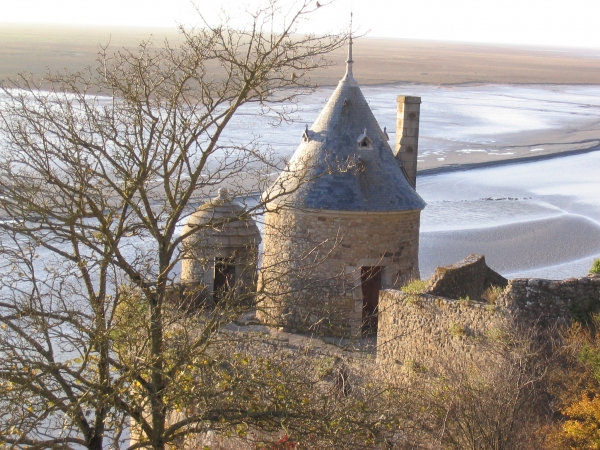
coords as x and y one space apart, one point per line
538 300
416 330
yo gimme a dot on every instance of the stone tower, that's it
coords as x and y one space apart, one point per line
221 253
342 222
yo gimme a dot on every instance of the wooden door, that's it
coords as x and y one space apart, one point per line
224 277
370 278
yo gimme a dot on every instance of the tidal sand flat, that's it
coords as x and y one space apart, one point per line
534 219
537 100
530 218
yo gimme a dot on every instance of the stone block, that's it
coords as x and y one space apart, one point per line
469 277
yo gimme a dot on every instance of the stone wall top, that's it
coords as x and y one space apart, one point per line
540 299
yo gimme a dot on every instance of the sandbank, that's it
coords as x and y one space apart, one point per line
458 162
539 218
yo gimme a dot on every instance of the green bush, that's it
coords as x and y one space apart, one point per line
458 330
414 289
464 301
595 266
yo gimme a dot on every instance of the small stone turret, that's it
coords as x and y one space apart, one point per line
222 253
407 135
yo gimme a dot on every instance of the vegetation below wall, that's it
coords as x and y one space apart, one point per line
528 389
595 266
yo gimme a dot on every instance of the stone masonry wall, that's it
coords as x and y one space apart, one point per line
408 113
545 301
311 265
420 329
417 331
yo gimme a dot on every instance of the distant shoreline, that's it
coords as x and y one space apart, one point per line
504 162
378 62
460 84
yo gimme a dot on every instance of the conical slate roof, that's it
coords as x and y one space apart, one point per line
346 130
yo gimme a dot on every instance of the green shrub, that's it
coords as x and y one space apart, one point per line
414 289
589 355
464 301
595 266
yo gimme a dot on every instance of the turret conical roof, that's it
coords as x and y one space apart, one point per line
318 175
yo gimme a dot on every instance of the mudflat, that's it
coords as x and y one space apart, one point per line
35 48
558 241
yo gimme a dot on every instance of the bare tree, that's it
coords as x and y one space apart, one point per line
93 189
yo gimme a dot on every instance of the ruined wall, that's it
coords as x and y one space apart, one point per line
311 266
421 329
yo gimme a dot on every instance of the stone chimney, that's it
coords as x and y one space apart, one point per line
407 135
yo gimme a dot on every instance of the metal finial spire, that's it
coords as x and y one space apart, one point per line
348 76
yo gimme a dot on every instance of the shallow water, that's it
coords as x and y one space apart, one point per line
554 203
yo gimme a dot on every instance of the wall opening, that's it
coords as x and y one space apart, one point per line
224 277
370 278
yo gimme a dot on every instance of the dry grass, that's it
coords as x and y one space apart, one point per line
491 294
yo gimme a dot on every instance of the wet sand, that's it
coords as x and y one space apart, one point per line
35 48
459 161
534 219
514 247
